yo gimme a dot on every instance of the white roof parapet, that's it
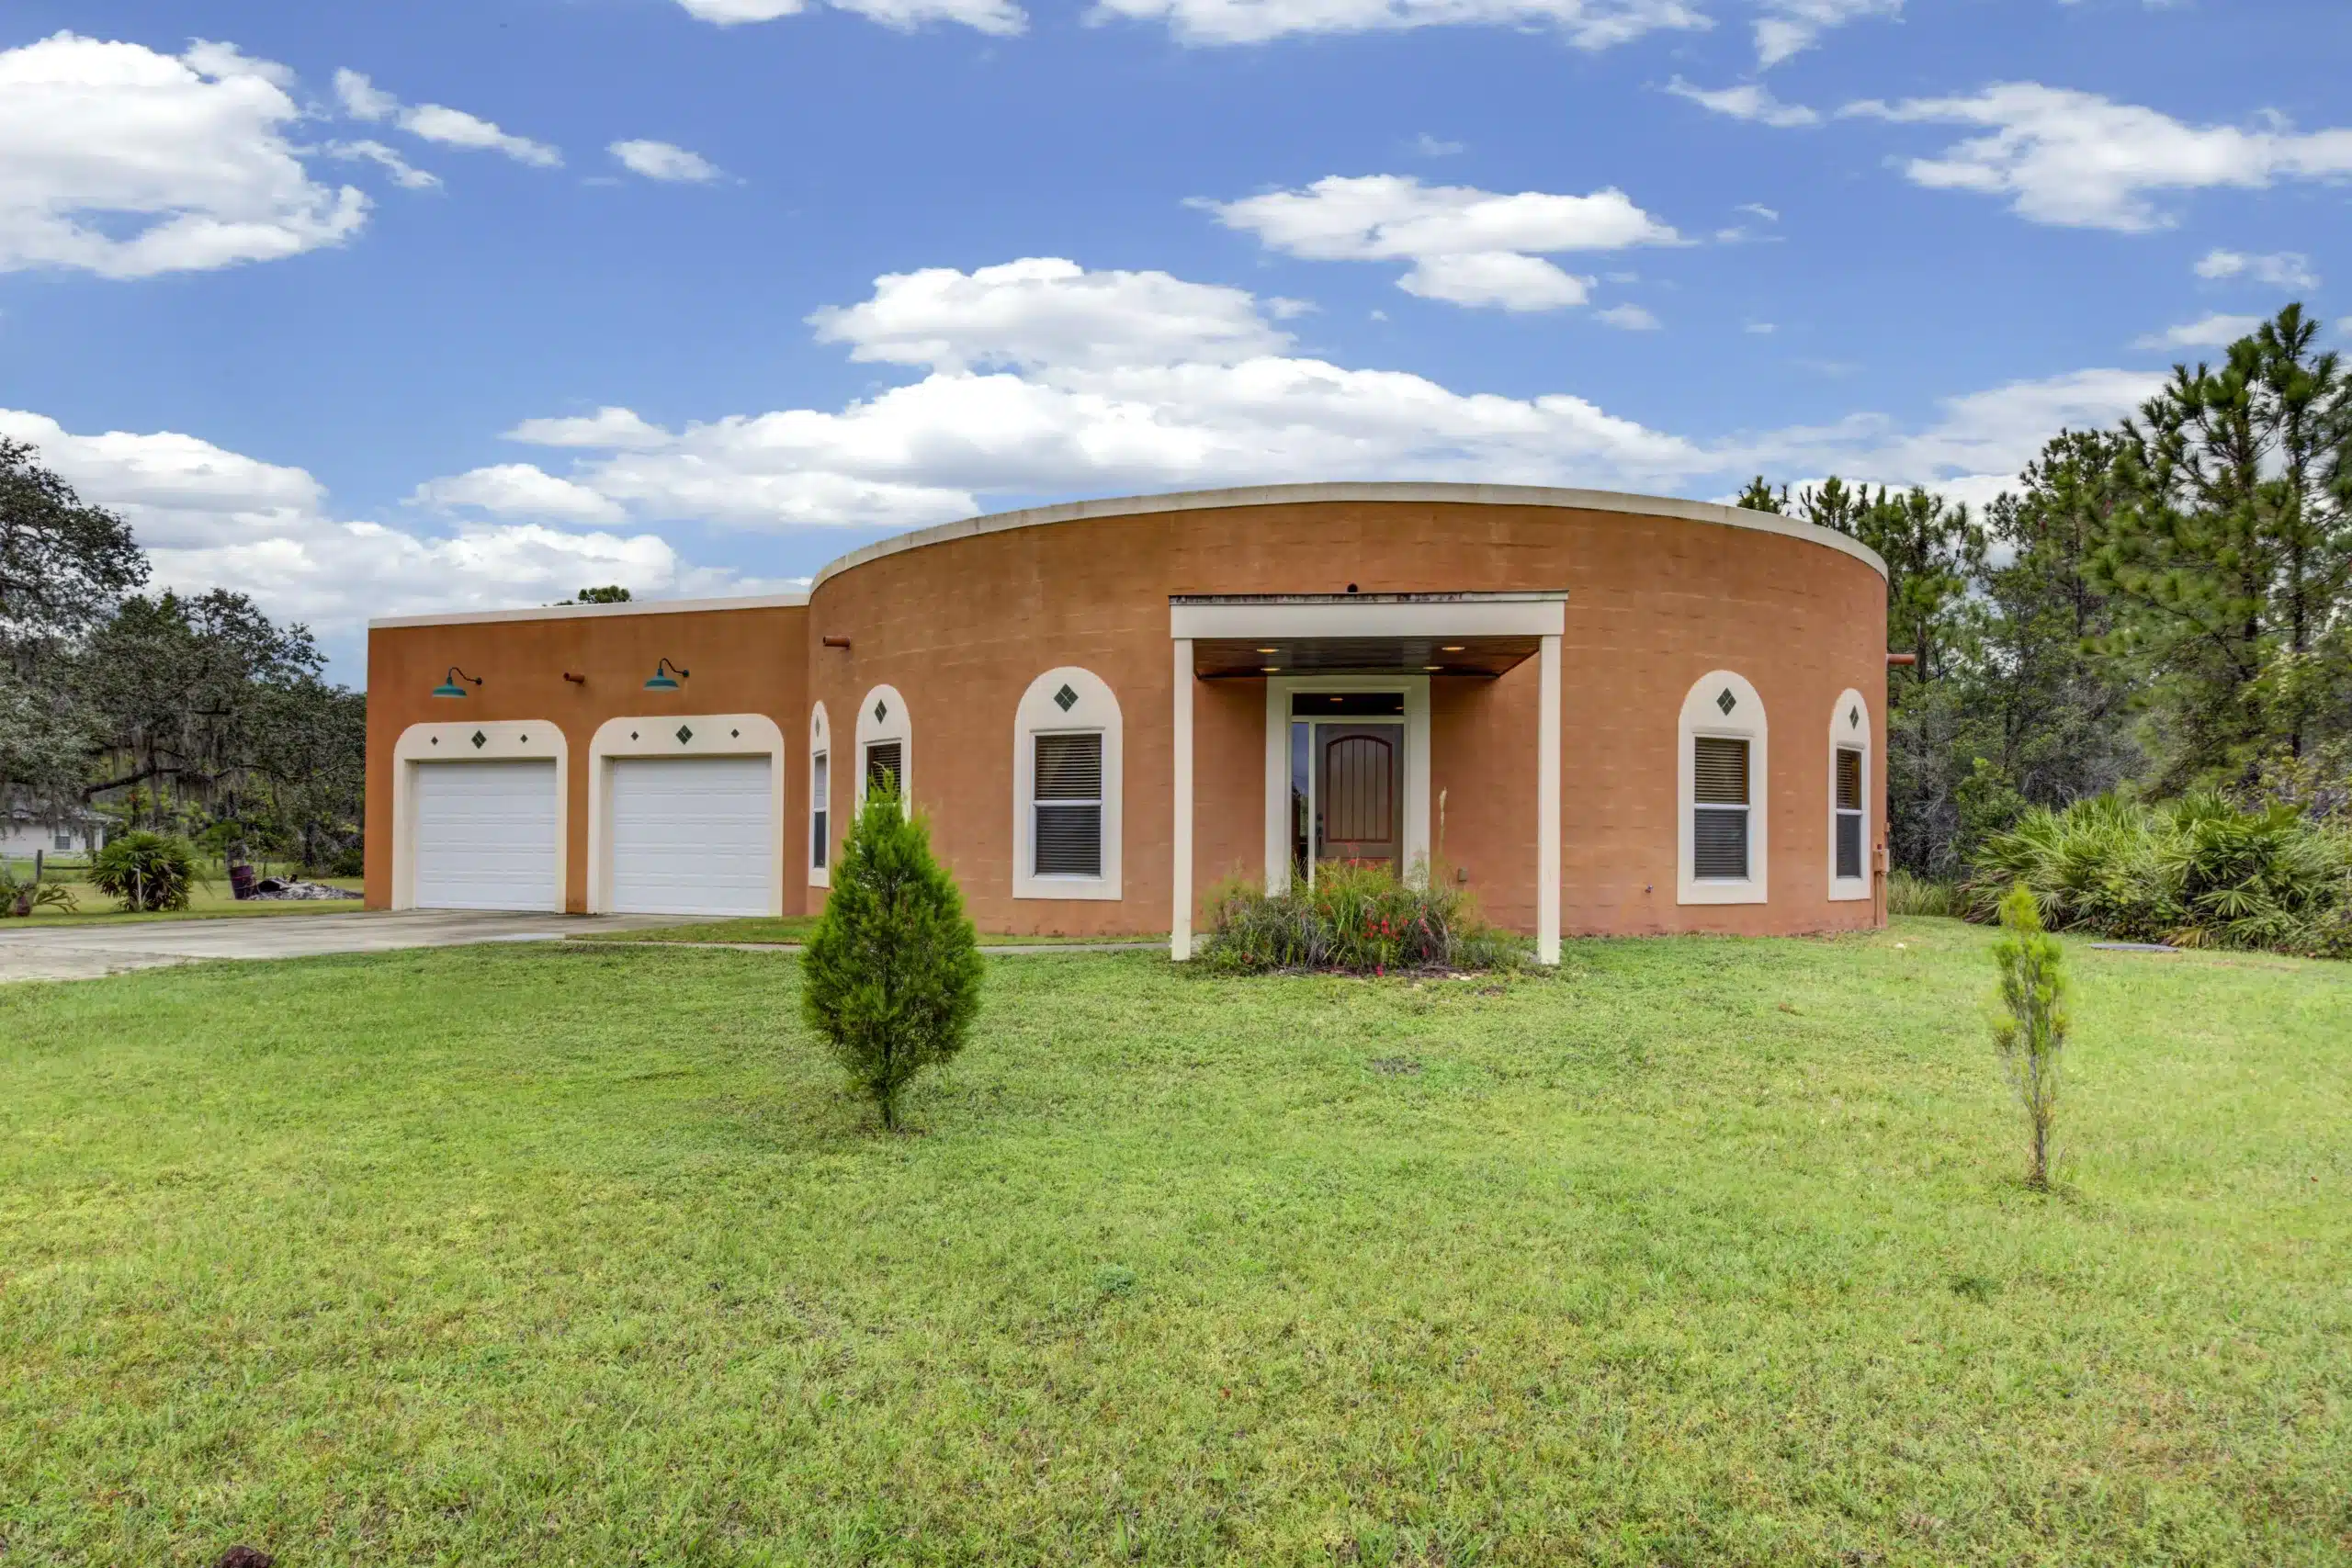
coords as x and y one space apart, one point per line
586 611
1396 490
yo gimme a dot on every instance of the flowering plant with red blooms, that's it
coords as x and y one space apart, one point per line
1359 918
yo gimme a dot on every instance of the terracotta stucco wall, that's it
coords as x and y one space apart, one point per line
960 628
752 661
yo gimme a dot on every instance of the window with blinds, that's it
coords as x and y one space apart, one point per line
1720 808
1068 800
884 766
820 795
1849 814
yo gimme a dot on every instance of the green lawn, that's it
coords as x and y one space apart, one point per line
206 900
795 929
1707 1251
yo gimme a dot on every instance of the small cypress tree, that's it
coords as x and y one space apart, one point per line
893 968
2030 1032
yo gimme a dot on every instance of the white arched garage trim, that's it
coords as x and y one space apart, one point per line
1722 705
1849 730
1093 709
686 735
882 718
820 799
469 744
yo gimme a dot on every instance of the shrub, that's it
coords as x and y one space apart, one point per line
2030 1031
893 968
2199 873
1360 918
22 897
145 871
1910 895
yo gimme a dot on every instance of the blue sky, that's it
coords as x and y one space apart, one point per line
329 298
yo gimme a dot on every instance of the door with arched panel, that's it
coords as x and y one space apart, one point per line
1360 797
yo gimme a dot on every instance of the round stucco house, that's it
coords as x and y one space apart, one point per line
1600 713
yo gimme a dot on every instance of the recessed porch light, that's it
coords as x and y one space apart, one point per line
1270 669
1270 650
1432 669
1454 648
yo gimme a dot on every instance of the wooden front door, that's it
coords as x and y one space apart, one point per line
1361 792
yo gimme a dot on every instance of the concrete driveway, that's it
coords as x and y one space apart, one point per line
82 952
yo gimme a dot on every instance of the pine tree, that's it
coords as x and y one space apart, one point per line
892 973
2234 550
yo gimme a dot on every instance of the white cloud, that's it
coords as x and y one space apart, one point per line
1429 146
404 175
1791 26
2212 332
1758 211
2284 269
609 429
1468 246
1974 449
1045 311
212 518
664 160
2082 160
1749 101
519 489
362 99
1183 405
996 17
122 162
1629 318
1760 329
1587 24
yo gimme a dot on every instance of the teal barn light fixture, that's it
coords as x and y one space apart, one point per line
449 687
662 681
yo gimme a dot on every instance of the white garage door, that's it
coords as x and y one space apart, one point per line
693 835
485 836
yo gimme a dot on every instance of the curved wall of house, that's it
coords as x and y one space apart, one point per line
960 621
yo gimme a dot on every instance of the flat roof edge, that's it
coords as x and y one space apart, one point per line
1387 491
796 599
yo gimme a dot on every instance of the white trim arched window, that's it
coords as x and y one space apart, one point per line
886 743
1066 783
1851 781
1721 793
821 800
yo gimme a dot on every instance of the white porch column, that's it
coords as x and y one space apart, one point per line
1547 807
1180 797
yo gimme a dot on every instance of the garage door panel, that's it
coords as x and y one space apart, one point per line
694 836
485 836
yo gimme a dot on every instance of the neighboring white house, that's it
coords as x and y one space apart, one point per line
24 834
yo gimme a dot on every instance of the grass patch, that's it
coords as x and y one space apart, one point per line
787 928
208 900
1705 1251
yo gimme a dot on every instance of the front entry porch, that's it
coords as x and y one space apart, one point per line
1346 679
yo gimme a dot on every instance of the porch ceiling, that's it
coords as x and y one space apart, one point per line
1228 659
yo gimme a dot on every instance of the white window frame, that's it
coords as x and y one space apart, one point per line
1096 712
1747 721
820 798
1846 736
897 725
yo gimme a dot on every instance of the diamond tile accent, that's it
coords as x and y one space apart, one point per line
734 735
1854 719
480 740
881 711
1064 699
1726 701
685 735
